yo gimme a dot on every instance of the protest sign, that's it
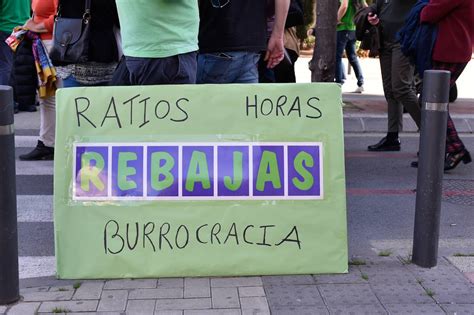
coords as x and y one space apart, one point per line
210 180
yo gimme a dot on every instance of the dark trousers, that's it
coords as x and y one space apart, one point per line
453 142
285 71
397 77
178 69
6 60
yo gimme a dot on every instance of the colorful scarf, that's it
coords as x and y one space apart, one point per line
44 67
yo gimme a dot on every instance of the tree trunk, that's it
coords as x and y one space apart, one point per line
323 65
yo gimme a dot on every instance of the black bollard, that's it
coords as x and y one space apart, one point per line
434 116
9 282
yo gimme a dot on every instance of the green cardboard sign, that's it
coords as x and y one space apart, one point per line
203 180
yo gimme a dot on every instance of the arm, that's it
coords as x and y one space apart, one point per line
436 10
342 10
275 45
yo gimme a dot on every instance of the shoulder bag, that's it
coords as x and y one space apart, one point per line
71 37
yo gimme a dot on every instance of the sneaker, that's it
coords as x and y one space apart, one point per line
359 89
41 152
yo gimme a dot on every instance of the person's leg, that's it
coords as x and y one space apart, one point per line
6 60
247 68
215 68
285 71
352 58
394 109
341 40
402 83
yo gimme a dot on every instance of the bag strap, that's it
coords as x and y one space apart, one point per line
87 10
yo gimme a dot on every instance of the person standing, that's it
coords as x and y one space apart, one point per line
12 13
346 40
159 40
232 35
397 71
452 52
98 70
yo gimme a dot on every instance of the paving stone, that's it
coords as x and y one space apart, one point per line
183 304
175 312
372 309
456 293
47 296
236 282
138 307
300 310
171 282
471 123
21 308
390 293
353 276
409 125
70 306
213 312
462 125
443 273
287 280
160 293
431 309
197 287
401 278
294 295
251 291
347 294
458 309
125 284
35 289
376 124
254 303
225 298
93 313
353 124
61 288
89 291
255 312
470 276
113 301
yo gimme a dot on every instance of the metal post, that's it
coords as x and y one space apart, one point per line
9 282
434 115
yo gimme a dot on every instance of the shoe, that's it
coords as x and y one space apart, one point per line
385 145
414 164
453 159
359 89
41 152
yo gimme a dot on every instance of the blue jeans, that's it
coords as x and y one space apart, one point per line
346 40
6 60
228 67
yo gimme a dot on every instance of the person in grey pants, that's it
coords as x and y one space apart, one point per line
397 72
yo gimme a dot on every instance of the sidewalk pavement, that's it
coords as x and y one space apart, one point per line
384 284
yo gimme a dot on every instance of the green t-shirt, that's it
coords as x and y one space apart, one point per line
13 13
347 21
158 28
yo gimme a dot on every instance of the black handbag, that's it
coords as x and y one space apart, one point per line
71 37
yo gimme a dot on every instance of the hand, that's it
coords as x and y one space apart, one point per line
35 27
274 51
373 19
